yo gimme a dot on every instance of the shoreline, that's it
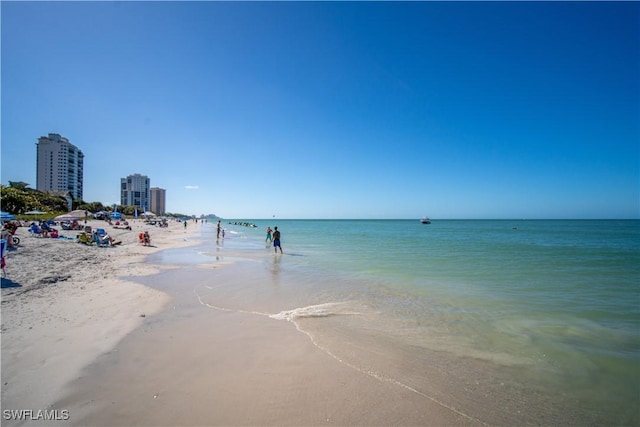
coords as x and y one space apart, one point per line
64 304
195 364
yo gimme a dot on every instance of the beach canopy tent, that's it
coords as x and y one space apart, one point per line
6 216
149 213
116 215
101 214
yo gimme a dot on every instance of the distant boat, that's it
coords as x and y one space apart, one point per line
425 220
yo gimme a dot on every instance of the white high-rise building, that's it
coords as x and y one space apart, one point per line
60 165
135 190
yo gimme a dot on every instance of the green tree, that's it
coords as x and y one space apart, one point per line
20 185
19 199
52 203
14 200
92 207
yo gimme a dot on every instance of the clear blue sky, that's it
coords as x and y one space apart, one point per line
332 109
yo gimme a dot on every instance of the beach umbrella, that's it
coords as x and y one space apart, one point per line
66 217
72 216
80 213
149 213
6 216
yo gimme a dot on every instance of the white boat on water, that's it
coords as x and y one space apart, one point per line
425 220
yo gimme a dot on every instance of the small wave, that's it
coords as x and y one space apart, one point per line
320 310
232 310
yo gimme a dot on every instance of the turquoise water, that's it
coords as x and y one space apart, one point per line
542 314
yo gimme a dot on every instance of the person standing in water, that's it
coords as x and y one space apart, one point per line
268 235
219 227
276 241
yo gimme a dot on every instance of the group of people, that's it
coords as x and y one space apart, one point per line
101 238
144 238
275 238
71 225
219 231
122 225
43 229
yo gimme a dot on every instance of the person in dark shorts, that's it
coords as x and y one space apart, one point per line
276 240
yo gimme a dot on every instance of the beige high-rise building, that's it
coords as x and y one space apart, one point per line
158 200
60 166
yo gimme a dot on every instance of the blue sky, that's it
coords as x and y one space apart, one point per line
335 109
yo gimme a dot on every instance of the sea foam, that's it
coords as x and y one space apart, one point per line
320 310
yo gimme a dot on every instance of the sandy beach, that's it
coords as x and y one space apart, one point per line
85 344
64 304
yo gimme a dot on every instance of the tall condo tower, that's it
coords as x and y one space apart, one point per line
60 165
135 190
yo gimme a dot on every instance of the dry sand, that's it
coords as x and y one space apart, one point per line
79 346
64 304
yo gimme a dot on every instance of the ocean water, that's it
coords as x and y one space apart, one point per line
542 316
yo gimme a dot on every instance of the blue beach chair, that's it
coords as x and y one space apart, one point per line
97 238
34 230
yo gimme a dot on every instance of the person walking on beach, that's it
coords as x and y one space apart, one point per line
268 235
276 241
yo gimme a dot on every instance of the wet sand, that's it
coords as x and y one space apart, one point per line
196 365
